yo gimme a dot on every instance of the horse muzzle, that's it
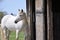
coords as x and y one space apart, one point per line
16 21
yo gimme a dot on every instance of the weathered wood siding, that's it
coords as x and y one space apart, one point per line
39 20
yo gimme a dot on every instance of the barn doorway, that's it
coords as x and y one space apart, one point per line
56 19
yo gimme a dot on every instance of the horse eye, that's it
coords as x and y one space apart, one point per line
20 15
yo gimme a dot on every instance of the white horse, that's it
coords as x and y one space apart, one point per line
14 23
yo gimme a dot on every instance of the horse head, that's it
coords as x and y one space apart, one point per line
21 15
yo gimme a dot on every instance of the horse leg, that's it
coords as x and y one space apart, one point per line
26 34
17 32
8 33
2 35
5 34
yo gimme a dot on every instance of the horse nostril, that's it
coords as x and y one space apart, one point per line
15 21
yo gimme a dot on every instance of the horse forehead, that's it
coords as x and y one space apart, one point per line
21 13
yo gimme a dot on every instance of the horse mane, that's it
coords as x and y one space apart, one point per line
26 19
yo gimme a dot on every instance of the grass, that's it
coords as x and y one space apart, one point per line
13 36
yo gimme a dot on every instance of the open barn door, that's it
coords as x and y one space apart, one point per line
56 19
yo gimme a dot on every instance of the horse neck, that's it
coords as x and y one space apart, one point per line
25 20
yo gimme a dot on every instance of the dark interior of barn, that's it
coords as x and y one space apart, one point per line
56 19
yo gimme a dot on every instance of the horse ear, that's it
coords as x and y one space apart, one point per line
21 10
18 9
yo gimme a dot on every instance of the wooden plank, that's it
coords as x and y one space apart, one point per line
49 20
32 20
